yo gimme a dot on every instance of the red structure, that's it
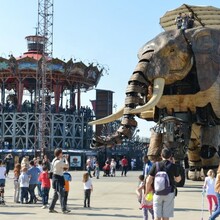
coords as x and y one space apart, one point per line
23 73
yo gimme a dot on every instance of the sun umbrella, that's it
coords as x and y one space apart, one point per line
206 16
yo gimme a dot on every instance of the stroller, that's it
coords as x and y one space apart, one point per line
106 170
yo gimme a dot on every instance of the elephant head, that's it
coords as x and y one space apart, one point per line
167 59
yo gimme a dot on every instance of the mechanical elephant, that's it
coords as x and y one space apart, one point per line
176 83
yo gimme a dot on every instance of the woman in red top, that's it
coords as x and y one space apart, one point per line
45 186
124 164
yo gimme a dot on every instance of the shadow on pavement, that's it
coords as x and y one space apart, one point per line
186 210
17 213
108 215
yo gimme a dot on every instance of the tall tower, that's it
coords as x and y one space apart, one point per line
45 24
45 30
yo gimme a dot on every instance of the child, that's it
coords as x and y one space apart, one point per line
146 201
17 172
113 167
209 186
139 190
97 170
24 185
87 183
68 178
45 186
2 182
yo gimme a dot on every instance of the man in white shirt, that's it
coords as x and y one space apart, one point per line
57 165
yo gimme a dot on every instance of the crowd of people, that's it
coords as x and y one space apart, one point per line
156 190
184 21
27 106
36 174
109 168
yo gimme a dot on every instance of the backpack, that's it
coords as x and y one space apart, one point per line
161 181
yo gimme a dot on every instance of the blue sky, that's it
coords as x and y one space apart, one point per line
110 32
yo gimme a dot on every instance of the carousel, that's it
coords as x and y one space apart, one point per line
21 100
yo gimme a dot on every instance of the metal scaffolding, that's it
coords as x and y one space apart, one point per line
45 29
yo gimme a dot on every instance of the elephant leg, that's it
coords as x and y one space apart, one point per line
210 142
194 160
155 146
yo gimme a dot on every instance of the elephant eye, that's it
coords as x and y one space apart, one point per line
172 50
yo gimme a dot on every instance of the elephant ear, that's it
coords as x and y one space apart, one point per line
206 48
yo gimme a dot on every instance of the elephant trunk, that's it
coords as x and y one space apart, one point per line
136 94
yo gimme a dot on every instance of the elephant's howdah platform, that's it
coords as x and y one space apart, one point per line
113 199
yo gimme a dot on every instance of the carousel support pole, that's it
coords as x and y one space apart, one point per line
72 99
57 93
20 95
78 98
61 99
3 94
31 100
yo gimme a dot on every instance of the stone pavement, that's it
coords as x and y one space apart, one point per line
113 198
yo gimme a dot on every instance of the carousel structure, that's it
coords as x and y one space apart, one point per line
25 96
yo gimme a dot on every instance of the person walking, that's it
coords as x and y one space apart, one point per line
2 182
216 213
17 172
97 170
89 167
45 186
124 164
163 203
113 167
58 164
7 162
88 188
33 172
209 187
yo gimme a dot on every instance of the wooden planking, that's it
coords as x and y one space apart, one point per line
209 15
181 103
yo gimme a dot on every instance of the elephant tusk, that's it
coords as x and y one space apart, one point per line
157 93
109 118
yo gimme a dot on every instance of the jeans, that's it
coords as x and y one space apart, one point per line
58 192
24 194
145 213
32 193
124 170
45 195
66 193
16 191
217 211
87 194
39 189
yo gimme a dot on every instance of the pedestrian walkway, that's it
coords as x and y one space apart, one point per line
113 198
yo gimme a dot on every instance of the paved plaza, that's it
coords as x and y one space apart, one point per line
113 198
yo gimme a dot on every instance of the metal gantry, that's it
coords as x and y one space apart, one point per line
65 130
45 29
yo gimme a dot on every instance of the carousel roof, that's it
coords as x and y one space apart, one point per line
66 73
27 68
